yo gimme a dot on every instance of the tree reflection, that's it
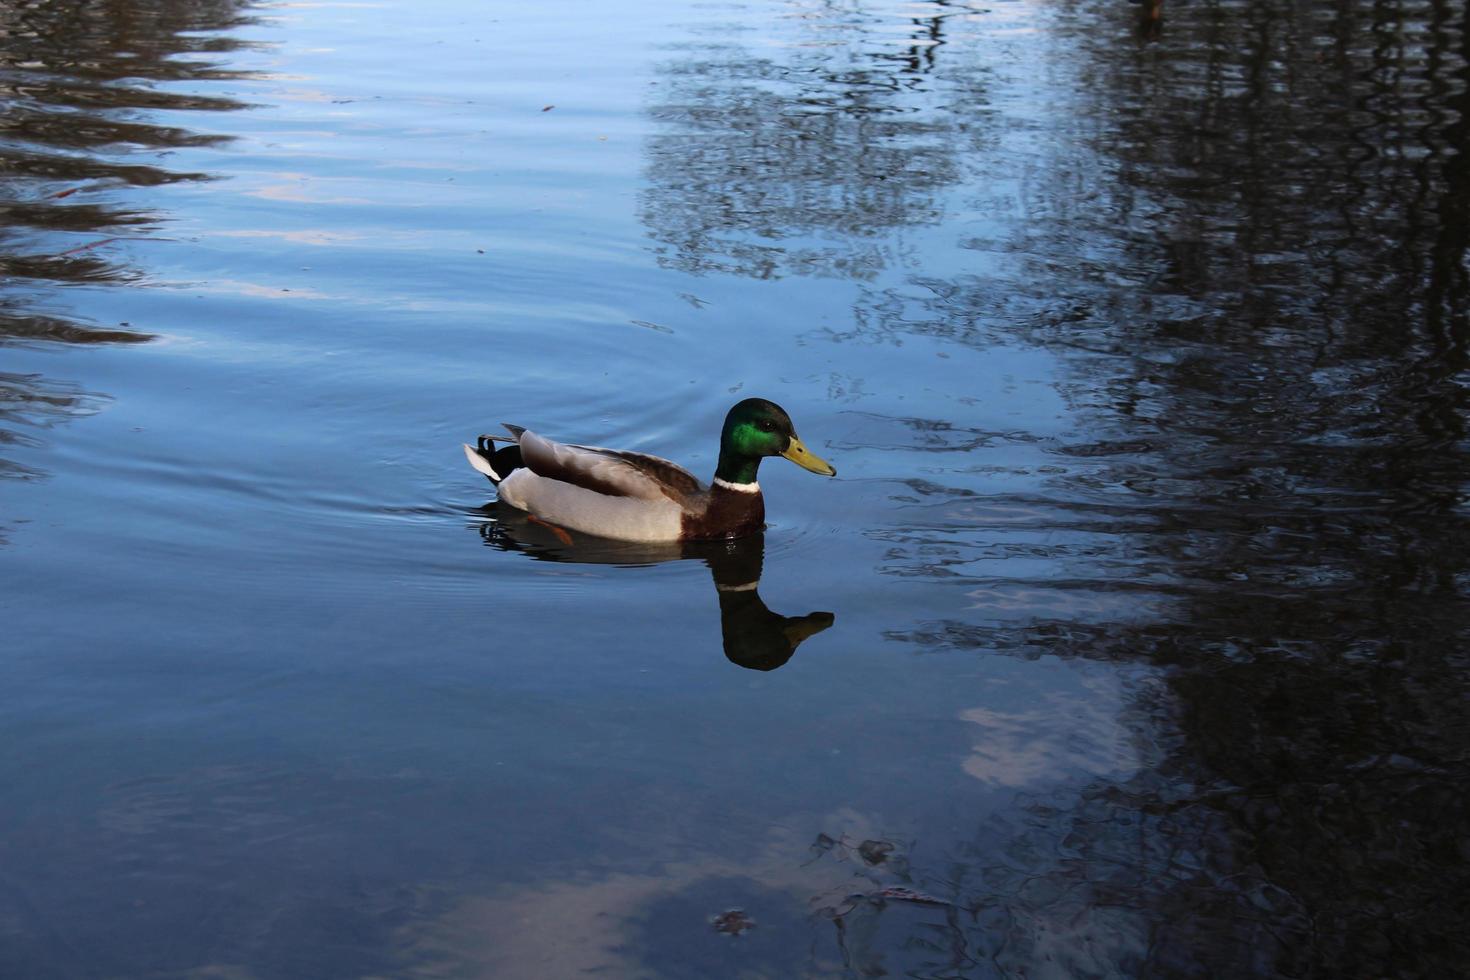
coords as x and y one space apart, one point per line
82 83
1281 388
792 164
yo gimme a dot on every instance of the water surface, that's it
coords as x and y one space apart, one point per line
1131 640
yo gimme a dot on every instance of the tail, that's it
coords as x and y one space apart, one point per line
496 464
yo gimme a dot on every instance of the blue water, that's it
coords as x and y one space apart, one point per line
1139 346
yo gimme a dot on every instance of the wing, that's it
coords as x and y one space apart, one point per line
676 482
609 471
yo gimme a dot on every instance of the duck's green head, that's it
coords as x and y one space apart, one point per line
755 429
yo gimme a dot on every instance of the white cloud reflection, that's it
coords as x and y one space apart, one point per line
1067 734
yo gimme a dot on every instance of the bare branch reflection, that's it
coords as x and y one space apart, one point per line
1266 320
793 161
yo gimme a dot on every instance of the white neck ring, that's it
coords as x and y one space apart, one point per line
740 487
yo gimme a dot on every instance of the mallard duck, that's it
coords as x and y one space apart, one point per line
637 497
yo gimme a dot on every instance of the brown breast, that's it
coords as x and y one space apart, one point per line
728 514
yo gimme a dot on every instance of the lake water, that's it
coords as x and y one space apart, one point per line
1140 345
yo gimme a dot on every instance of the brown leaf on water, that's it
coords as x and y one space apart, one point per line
732 922
875 851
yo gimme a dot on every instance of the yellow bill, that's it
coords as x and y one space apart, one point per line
808 460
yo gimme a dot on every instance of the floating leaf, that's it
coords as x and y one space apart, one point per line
875 851
732 922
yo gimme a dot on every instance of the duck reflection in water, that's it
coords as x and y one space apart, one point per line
754 636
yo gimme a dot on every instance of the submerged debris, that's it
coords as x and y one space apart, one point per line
732 922
875 851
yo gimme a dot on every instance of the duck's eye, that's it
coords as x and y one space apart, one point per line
767 425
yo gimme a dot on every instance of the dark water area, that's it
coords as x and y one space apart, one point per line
1132 640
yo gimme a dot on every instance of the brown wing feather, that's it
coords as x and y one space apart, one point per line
609 471
677 483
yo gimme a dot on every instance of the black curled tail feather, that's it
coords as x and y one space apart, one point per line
504 461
